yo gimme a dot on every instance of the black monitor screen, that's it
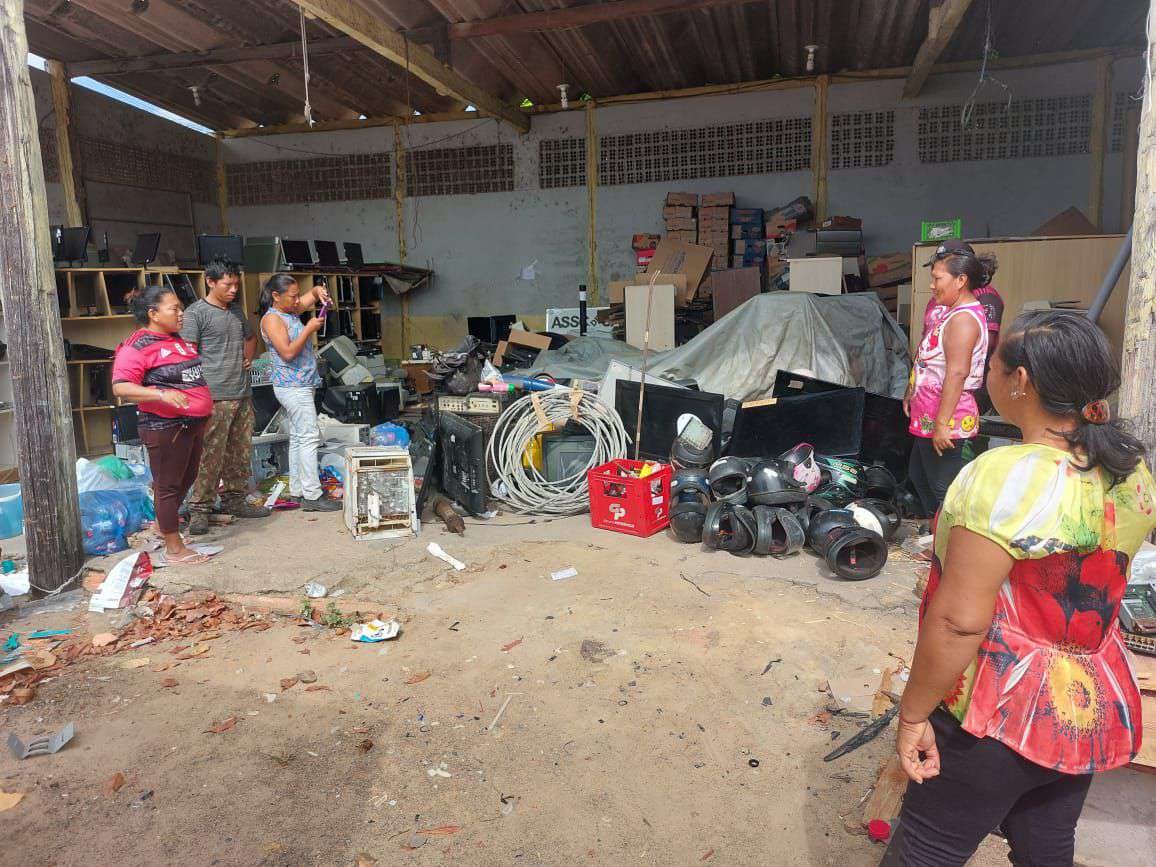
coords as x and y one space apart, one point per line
327 254
147 244
230 247
353 255
661 408
463 461
296 252
74 243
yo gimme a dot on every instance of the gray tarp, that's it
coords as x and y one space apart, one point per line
849 339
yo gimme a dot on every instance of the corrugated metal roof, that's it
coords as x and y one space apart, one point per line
718 44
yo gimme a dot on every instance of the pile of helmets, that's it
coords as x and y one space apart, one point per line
774 507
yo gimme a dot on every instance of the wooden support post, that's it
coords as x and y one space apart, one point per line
819 148
399 183
592 293
45 445
222 187
1138 392
1099 145
62 105
1131 150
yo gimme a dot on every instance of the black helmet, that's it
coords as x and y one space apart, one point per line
684 455
886 512
823 523
728 479
686 520
909 504
778 532
801 466
726 531
878 483
855 554
769 481
690 485
804 511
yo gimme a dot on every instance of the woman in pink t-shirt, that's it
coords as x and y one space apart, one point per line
948 370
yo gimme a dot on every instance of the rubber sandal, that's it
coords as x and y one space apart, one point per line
164 560
207 550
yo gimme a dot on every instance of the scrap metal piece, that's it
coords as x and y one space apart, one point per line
41 746
867 734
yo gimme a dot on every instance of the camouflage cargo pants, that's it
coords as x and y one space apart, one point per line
226 457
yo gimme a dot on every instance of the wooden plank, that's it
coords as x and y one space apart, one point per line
290 51
592 293
45 443
578 16
1131 153
399 182
368 29
62 118
1099 144
887 798
943 19
820 147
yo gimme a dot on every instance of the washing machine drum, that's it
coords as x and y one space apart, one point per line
686 521
801 466
855 554
728 479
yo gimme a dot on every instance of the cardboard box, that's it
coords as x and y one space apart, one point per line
689 199
711 200
644 241
616 292
681 224
681 237
518 337
747 216
677 212
734 287
714 212
747 230
661 307
642 257
886 270
777 227
821 275
742 248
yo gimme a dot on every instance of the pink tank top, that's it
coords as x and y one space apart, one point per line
931 368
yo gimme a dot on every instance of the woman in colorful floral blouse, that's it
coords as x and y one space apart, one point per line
1021 687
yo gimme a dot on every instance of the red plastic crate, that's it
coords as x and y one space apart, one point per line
639 507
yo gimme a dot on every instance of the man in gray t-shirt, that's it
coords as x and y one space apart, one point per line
226 343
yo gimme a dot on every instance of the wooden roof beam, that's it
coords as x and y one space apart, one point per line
943 19
368 29
220 56
564 19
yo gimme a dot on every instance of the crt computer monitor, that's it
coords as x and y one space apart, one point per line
229 247
296 252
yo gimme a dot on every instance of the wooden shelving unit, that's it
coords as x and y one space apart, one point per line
94 311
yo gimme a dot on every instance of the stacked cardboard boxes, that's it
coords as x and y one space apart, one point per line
748 237
679 218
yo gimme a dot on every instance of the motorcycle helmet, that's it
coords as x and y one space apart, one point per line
824 523
778 532
686 455
855 554
728 479
724 530
802 467
866 517
878 483
769 484
689 486
686 521
887 513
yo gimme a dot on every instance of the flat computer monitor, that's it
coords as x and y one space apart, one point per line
327 254
72 243
296 252
147 245
353 255
229 247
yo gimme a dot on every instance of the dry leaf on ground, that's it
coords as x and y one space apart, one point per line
440 831
506 648
417 678
22 695
288 683
112 784
365 745
40 659
163 666
318 687
168 683
103 639
364 859
8 800
136 663
223 726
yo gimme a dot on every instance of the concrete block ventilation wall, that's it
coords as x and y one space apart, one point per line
518 243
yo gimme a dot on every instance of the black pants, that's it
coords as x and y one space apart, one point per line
931 474
174 455
984 785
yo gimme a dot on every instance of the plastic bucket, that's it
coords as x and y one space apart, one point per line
11 511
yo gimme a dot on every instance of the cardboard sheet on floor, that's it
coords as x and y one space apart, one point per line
831 421
661 407
661 313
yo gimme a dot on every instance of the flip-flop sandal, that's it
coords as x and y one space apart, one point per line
164 560
207 550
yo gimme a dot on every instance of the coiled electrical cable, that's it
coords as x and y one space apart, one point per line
524 488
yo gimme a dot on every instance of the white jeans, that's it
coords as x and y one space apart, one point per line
304 438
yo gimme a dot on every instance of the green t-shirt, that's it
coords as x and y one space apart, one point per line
220 336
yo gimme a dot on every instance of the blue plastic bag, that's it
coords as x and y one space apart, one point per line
389 434
108 518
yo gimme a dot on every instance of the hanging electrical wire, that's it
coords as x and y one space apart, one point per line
967 113
521 485
308 111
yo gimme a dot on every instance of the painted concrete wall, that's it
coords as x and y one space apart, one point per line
478 245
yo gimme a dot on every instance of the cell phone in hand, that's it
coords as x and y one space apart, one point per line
325 305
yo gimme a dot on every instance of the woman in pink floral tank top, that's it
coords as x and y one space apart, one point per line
949 368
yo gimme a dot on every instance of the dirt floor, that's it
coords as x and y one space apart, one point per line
638 698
